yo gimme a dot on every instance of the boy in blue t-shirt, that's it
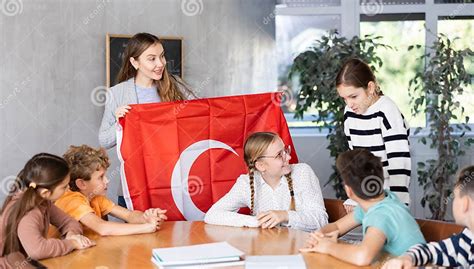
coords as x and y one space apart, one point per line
457 250
386 222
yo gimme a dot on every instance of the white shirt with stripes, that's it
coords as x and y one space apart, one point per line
456 251
309 214
383 130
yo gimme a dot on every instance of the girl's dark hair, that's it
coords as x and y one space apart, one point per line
356 73
45 171
362 171
168 86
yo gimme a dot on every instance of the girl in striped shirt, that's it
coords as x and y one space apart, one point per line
457 250
373 121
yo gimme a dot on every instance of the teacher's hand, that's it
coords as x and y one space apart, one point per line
121 111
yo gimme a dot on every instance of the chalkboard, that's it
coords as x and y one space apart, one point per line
116 44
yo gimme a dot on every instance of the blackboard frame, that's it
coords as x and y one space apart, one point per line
109 50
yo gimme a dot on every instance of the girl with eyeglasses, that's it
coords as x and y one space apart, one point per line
276 192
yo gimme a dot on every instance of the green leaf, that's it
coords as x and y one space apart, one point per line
423 140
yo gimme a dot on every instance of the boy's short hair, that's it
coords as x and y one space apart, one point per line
362 171
465 181
83 161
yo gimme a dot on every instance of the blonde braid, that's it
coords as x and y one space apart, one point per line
254 147
292 194
252 188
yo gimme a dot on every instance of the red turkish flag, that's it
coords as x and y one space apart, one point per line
184 156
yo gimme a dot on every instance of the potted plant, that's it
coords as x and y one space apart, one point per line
436 91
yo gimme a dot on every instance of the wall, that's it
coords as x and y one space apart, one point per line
53 57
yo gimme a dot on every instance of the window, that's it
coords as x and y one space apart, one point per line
401 23
294 35
400 65
463 29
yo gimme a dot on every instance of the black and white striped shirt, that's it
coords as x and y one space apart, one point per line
383 130
456 251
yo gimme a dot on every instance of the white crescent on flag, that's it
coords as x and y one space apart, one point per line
180 176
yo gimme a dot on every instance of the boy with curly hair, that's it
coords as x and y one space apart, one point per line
86 200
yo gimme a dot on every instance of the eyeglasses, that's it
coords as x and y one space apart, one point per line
283 153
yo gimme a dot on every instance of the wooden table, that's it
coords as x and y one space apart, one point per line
134 251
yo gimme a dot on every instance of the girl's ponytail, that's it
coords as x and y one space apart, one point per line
43 170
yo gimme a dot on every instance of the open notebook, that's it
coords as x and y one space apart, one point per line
208 255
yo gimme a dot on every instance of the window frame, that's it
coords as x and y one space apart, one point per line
351 11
